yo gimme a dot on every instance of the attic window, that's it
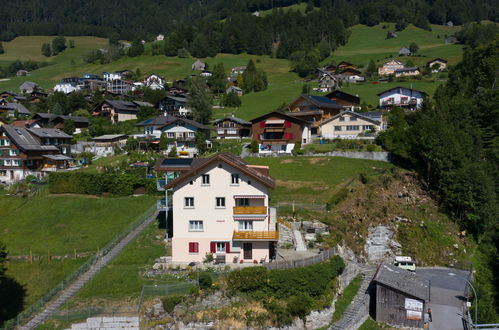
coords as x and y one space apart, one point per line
249 182
219 165
19 131
191 182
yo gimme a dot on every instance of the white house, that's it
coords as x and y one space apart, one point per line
67 88
404 97
153 81
353 125
110 76
218 206
160 37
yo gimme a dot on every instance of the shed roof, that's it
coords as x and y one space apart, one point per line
404 281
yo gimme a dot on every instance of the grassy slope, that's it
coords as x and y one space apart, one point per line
346 298
296 7
63 223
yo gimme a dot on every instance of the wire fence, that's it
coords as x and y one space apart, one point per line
326 254
36 307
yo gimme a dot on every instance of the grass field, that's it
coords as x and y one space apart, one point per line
122 280
370 324
313 179
61 223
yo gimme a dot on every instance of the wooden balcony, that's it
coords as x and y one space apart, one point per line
241 210
255 236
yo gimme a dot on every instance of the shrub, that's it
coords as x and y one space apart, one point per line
248 279
278 313
371 147
170 302
205 280
338 196
297 149
300 305
254 146
208 258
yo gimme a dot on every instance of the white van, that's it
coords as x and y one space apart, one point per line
405 263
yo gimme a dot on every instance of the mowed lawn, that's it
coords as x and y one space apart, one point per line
62 223
123 278
314 179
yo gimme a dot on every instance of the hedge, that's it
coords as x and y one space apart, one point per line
97 183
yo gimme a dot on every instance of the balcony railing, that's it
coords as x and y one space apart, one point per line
255 235
240 210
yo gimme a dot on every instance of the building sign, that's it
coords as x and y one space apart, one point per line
414 315
413 305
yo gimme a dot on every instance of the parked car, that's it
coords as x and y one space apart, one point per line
405 263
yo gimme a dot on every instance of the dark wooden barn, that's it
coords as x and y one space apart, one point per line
400 297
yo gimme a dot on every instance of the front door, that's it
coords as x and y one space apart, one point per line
248 250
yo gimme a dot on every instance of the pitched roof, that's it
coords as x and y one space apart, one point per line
234 119
404 281
24 140
404 50
110 137
23 123
49 133
279 114
413 68
76 119
15 106
162 121
437 59
392 60
345 96
410 89
29 84
321 101
374 117
121 105
230 160
45 115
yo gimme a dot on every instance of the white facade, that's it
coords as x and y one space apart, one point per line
401 97
348 125
66 88
204 215
110 76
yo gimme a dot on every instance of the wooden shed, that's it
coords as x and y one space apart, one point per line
400 297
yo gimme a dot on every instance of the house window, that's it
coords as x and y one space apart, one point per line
16 162
191 134
220 131
243 202
367 127
195 225
14 152
220 247
337 128
353 118
220 202
189 202
231 131
353 128
8 162
235 179
193 247
342 118
170 135
245 225
206 179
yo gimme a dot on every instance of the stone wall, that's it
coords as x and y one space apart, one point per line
369 155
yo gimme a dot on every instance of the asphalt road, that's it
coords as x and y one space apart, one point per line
446 296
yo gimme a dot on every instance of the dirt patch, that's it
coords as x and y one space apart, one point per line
287 161
314 161
314 185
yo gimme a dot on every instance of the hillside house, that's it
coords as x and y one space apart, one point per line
234 89
68 87
327 80
400 297
120 87
277 132
11 96
218 206
405 72
351 75
437 64
232 128
238 70
347 101
313 109
28 87
403 97
105 145
389 67
346 65
160 37
404 51
353 125
32 151
451 40
21 73
80 123
174 106
198 66
116 110
179 130
31 123
13 108
153 81
110 76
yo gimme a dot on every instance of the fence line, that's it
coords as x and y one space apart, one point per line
326 254
26 314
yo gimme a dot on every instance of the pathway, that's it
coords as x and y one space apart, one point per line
69 292
299 242
358 310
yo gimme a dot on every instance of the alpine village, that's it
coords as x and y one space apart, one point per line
249 164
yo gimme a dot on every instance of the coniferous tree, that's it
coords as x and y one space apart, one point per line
136 49
371 69
218 79
58 45
69 127
46 51
200 100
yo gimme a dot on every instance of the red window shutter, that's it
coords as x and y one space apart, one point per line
262 124
227 247
191 247
287 124
290 136
287 136
196 247
213 247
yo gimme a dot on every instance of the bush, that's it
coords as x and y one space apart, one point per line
297 149
338 196
254 146
371 147
205 280
170 302
248 279
300 305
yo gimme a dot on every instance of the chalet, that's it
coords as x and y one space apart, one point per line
181 132
95 85
198 66
400 297
330 68
277 132
153 81
178 91
110 76
32 123
353 125
120 86
32 151
21 73
238 69
106 145
389 67
37 96
404 97
327 80
404 51
79 122
28 87
347 101
451 40
116 110
313 109
13 108
44 119
412 71
218 206
174 106
9 95
232 128
346 65
437 64
234 89
351 75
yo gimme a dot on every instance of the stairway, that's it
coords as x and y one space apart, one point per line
94 323
69 292
358 310
299 242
